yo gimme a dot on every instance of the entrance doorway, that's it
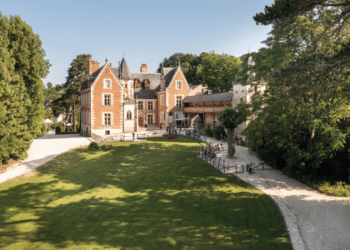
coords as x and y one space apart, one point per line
141 121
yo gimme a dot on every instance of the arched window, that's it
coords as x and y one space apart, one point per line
128 115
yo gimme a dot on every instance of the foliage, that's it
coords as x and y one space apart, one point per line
113 196
22 67
230 119
93 146
219 133
209 131
188 62
25 48
297 121
218 72
43 129
51 93
77 73
58 130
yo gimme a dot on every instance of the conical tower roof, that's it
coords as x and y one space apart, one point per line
124 70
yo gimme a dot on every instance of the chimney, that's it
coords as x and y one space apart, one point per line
110 65
95 66
162 83
144 68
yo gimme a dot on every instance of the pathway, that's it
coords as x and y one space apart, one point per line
44 149
314 220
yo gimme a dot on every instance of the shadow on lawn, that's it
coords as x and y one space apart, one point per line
167 199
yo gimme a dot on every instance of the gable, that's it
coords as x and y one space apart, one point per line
102 71
179 74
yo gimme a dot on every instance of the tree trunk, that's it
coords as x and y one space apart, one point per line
231 144
74 127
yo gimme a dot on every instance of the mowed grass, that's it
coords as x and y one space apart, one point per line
150 195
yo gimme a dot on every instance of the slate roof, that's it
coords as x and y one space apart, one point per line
223 97
154 78
115 72
168 75
145 94
125 72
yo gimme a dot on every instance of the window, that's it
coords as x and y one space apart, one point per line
178 101
170 113
140 105
107 84
107 132
107 100
179 85
150 105
164 116
150 119
107 118
161 100
128 115
241 99
126 86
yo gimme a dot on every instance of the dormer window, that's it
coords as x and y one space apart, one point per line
137 84
147 84
107 83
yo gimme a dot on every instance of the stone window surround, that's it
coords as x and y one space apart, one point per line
103 118
153 107
129 115
182 100
139 105
103 99
153 120
180 83
104 83
161 100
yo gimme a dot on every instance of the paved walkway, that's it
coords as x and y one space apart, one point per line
44 149
314 220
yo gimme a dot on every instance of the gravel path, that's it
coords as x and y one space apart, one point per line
314 220
44 149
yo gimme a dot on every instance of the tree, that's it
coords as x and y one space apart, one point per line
218 72
14 135
25 48
70 99
306 65
230 119
188 62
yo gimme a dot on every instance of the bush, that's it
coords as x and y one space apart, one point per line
58 130
93 146
219 133
43 129
209 131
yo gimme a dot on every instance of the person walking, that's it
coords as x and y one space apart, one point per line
160 127
145 124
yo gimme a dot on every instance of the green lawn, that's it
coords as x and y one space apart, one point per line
150 195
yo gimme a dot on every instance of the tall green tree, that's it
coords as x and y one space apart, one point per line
14 135
70 99
25 48
218 72
297 119
230 119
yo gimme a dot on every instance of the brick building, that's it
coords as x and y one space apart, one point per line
115 100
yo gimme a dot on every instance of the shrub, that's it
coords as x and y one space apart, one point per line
219 133
58 130
43 129
93 146
209 131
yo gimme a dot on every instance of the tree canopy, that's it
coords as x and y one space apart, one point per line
306 64
21 88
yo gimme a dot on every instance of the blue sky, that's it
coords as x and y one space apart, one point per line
146 31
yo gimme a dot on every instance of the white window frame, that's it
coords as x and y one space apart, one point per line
153 119
182 100
177 84
103 100
103 118
105 82
138 105
161 101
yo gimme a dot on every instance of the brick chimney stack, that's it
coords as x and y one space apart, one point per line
93 66
144 68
